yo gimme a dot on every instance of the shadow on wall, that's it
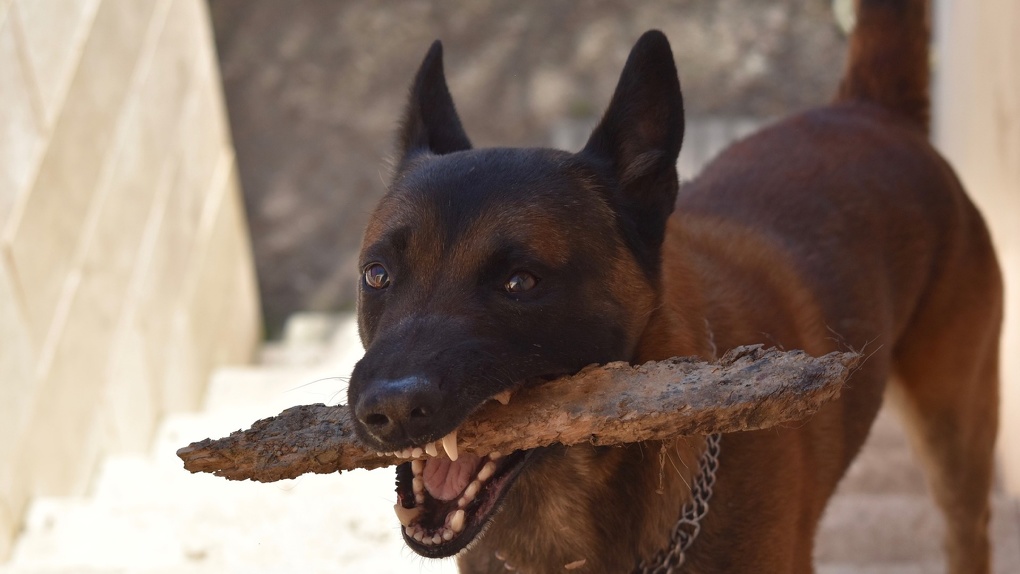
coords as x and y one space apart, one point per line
314 89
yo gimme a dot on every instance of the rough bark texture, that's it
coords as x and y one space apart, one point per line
748 388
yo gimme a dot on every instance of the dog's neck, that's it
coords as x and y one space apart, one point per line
688 525
559 512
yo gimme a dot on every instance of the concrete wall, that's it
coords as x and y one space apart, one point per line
977 126
125 269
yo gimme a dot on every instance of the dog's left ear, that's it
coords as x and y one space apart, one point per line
640 136
430 123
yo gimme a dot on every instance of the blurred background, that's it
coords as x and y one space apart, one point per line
314 91
183 186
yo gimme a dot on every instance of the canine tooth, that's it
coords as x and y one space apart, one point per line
417 466
457 521
447 535
416 452
436 539
406 515
431 450
450 445
503 398
418 484
487 471
472 490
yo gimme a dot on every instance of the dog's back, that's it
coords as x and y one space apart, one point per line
842 227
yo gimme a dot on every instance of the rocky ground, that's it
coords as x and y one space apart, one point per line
314 89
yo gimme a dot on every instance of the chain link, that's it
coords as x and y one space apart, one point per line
687 528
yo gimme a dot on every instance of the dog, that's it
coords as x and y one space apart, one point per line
485 270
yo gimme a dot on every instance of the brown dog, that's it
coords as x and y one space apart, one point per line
484 270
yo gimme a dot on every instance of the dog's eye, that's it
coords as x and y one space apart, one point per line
520 282
376 276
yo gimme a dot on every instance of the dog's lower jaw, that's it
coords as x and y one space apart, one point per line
608 507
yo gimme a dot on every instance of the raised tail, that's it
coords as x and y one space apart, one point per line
887 63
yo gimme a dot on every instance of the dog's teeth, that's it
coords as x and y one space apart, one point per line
419 498
437 538
500 555
409 530
406 515
487 471
418 484
575 564
503 398
419 534
450 445
494 455
416 453
447 535
457 521
431 450
472 490
417 466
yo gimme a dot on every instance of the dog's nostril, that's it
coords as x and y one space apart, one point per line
377 420
419 412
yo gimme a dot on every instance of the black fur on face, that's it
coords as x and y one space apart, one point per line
484 270
454 230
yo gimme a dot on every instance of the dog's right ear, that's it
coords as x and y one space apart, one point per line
639 139
430 123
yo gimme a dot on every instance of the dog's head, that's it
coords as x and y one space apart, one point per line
484 270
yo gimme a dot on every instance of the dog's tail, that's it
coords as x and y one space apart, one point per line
887 63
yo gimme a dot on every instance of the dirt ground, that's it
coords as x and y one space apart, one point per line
314 89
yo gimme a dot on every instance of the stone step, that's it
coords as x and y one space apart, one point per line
882 529
886 463
146 515
146 518
310 339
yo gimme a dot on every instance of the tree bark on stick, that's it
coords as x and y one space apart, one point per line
749 388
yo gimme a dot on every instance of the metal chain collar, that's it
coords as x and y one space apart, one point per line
668 560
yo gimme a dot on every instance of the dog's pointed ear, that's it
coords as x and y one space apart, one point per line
430 123
639 138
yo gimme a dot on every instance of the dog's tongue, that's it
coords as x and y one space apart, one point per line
445 479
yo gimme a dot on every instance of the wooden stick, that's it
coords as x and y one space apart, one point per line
749 388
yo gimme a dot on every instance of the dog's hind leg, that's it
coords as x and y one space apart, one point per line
947 389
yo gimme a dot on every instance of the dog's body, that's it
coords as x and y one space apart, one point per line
839 228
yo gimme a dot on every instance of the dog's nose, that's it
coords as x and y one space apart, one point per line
397 410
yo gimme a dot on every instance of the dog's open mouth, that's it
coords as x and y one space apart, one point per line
444 502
